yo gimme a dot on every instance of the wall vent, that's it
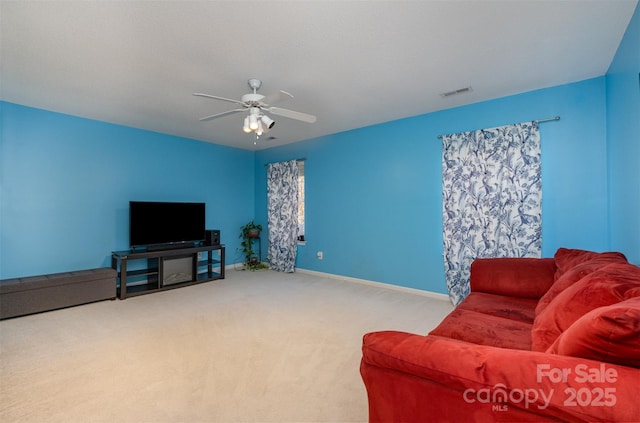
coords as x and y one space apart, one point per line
456 92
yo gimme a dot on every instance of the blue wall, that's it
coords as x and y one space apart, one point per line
374 196
66 182
623 134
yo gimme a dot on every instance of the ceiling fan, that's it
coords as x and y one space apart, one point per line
257 104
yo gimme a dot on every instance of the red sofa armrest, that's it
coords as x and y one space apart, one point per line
428 378
515 277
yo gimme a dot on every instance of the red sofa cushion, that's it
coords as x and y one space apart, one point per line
573 275
484 329
514 308
513 276
609 285
610 334
567 258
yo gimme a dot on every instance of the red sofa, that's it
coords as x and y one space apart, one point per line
550 339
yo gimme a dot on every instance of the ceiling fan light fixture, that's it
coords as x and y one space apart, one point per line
268 121
253 122
245 127
260 129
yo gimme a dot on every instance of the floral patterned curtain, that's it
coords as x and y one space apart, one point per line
492 196
282 193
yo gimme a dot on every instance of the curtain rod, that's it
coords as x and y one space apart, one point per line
537 121
301 159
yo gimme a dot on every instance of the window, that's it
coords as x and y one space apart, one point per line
301 237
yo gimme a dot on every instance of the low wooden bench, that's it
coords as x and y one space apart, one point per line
34 294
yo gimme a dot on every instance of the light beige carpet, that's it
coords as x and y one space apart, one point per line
254 347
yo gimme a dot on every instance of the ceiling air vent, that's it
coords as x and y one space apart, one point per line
456 92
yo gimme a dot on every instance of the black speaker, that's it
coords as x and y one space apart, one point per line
212 237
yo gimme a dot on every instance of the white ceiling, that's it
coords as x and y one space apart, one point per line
350 63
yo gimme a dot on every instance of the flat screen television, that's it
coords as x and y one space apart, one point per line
155 224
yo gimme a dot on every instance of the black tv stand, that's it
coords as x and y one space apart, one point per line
164 247
159 270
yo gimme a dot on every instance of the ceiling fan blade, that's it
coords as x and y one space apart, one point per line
278 97
219 98
292 114
228 112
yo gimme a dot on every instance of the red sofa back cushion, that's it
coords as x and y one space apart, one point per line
610 334
567 258
516 277
571 266
570 277
609 285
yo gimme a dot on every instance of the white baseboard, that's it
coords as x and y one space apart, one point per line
430 294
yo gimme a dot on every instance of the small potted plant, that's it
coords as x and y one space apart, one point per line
251 230
248 234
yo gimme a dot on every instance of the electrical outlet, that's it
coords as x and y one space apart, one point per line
320 255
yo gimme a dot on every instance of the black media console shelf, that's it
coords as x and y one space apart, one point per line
143 272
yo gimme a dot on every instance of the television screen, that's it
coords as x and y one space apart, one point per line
153 223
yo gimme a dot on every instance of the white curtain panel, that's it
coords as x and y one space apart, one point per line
492 195
282 193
